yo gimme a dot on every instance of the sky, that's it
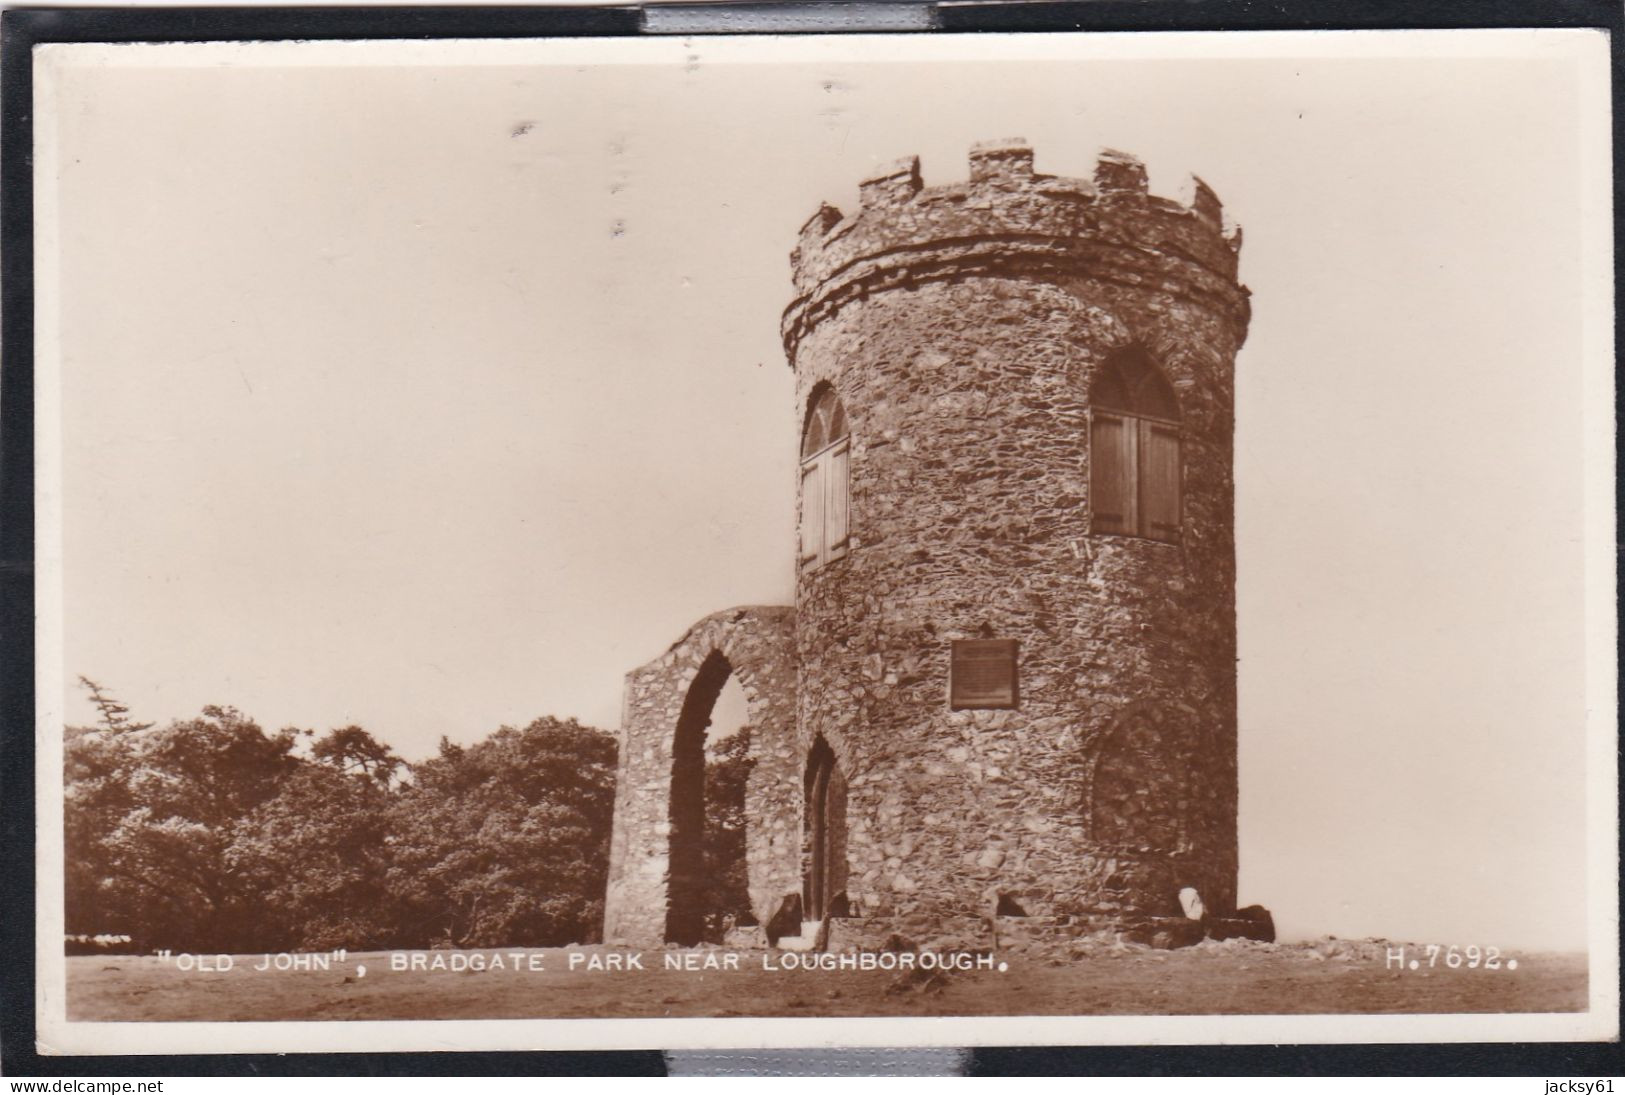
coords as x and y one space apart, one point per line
435 395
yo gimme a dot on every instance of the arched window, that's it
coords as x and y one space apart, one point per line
825 459
1134 450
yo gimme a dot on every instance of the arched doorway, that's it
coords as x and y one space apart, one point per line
707 880
826 831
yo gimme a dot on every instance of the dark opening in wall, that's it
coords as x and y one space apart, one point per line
708 880
1008 906
826 833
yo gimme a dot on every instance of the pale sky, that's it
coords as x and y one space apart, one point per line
435 396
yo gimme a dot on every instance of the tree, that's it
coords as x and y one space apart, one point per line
316 857
114 715
97 764
727 887
351 749
96 796
506 842
153 817
210 834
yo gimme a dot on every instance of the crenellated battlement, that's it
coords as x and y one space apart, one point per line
1008 216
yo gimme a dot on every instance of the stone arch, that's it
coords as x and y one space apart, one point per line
667 708
1101 332
834 739
823 418
1139 792
1131 381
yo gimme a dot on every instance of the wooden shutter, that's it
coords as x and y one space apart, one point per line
812 511
1159 481
837 490
983 673
1112 444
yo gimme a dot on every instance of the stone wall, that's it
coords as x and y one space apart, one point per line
962 328
667 707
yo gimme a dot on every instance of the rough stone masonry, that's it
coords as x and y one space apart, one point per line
980 345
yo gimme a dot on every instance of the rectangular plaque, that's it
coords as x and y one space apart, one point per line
984 673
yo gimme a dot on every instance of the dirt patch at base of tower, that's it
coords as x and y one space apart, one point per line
1232 978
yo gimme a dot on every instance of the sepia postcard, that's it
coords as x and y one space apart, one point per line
728 542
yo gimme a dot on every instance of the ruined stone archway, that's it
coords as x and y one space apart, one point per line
667 707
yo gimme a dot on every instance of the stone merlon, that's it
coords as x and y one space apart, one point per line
1008 216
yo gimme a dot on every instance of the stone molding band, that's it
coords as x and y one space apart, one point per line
1013 255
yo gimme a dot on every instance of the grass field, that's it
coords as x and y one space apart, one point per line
1238 977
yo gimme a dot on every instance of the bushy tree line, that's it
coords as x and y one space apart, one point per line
212 835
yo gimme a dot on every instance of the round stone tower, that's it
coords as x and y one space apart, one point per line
1015 600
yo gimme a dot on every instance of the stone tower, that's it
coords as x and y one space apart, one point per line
1014 637
978 338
